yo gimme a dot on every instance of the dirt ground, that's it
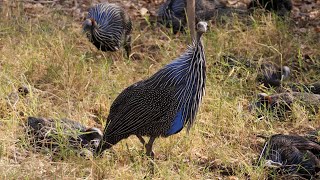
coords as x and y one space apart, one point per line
306 13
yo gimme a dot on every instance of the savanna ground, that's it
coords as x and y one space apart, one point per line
44 49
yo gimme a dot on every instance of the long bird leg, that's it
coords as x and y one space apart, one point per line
141 140
149 147
127 46
150 154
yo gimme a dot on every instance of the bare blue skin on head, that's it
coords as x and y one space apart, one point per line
87 25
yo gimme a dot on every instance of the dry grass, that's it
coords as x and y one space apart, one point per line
69 78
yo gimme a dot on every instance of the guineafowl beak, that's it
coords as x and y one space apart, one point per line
272 164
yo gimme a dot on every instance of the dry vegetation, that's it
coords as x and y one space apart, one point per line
68 77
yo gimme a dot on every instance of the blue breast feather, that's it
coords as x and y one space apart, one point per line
176 125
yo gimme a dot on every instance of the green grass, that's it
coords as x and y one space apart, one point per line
69 78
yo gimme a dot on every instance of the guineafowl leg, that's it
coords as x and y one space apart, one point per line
141 139
127 46
149 147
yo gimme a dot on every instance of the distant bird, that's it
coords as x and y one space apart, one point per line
49 133
162 104
272 75
312 87
281 7
172 13
292 154
283 101
268 73
108 27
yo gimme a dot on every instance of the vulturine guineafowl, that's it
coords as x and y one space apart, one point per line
162 104
268 73
272 75
282 102
49 133
108 27
292 154
173 13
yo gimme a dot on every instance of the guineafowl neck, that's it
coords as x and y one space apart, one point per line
198 38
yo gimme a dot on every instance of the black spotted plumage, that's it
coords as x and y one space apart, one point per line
172 13
162 104
292 154
273 75
281 103
268 73
52 133
108 27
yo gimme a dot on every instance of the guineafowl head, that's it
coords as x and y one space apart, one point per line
285 72
36 123
202 27
88 25
91 137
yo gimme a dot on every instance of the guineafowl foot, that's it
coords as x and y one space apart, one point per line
128 52
127 46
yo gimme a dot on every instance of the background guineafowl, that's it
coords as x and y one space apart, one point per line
172 13
282 102
281 7
162 104
46 132
272 75
108 27
269 73
292 154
